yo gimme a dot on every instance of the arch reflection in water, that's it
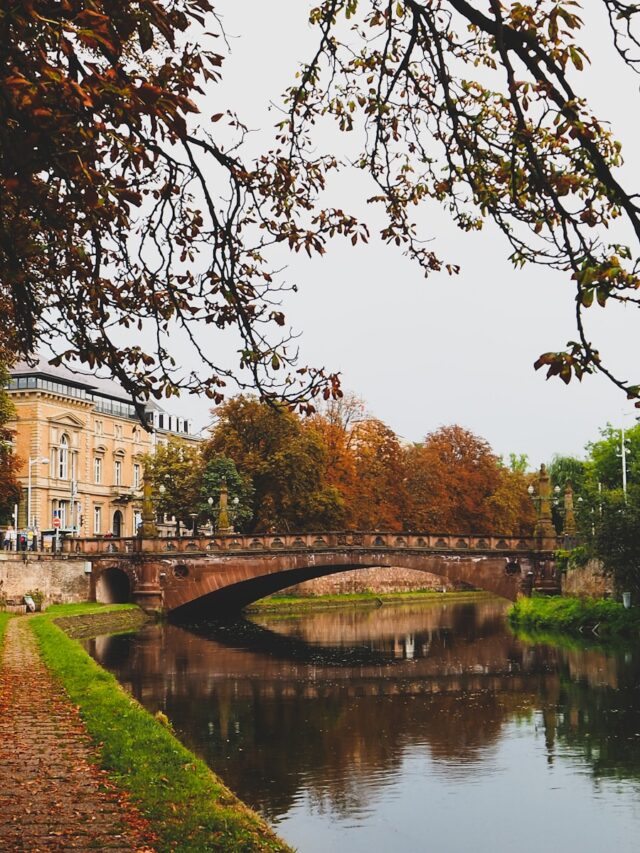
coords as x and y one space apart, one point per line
314 719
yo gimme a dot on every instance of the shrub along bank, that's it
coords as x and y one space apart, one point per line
190 809
585 616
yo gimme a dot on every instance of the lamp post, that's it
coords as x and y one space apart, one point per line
210 502
43 460
622 454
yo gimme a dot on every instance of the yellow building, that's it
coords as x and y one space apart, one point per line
82 446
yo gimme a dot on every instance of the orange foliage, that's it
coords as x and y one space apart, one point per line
456 483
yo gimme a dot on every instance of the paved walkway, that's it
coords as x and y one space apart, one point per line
52 797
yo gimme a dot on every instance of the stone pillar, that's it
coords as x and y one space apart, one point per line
569 515
569 530
545 532
148 528
146 590
224 525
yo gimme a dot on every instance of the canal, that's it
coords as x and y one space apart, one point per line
403 728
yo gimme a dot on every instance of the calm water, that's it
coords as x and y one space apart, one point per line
404 728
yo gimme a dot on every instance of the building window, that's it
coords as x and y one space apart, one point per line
63 458
97 519
59 509
117 472
98 425
97 470
136 476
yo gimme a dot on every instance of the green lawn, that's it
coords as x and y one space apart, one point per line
4 618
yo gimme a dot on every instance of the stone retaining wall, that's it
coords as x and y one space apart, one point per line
61 581
371 580
587 580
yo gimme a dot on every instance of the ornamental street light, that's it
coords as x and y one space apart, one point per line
43 460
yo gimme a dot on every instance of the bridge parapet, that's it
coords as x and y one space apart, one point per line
274 542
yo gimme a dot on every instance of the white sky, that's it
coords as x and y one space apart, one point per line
424 353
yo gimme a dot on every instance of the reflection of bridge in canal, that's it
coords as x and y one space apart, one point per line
409 656
277 700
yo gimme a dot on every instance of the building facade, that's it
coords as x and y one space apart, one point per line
83 447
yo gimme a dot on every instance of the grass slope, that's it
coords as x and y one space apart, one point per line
353 599
4 618
191 810
576 616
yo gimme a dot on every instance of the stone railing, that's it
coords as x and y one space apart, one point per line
274 542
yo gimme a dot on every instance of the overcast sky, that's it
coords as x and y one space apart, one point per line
424 353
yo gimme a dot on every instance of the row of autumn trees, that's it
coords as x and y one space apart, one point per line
337 469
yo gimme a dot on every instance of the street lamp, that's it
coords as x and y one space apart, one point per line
210 502
622 454
43 460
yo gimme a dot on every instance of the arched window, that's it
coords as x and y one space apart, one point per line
63 458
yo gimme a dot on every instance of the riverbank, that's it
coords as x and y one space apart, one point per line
298 603
601 618
188 807
4 618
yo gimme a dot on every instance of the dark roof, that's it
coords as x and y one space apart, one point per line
95 384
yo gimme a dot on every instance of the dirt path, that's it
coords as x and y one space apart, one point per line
52 797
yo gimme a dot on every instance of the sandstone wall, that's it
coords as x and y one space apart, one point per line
587 580
370 580
62 581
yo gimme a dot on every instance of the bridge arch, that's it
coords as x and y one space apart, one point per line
223 587
113 586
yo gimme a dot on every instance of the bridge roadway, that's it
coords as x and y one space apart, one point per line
190 576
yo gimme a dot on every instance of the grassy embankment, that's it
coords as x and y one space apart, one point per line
4 618
189 808
359 599
578 616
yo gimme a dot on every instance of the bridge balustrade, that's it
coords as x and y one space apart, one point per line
274 542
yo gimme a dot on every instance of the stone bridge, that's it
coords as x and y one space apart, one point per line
217 575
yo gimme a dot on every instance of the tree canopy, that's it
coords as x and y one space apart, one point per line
344 468
128 201
10 489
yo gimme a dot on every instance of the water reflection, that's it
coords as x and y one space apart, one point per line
327 714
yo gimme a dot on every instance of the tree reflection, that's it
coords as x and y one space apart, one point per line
331 704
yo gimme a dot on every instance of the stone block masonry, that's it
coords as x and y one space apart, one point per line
378 580
61 580
588 580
